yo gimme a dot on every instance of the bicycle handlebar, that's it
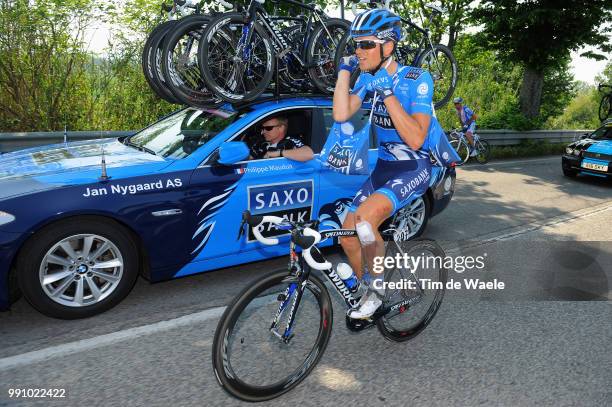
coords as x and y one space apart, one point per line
308 239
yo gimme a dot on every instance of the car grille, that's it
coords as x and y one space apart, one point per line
597 156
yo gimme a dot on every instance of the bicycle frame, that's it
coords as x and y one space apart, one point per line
257 13
301 272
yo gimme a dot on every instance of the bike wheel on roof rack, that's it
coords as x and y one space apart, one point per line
149 62
321 53
180 66
234 68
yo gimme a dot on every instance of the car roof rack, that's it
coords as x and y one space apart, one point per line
266 97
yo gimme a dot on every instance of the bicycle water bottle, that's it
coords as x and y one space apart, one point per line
345 272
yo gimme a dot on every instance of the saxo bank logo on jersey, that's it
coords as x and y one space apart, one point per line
291 200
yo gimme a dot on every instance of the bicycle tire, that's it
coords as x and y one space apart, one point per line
462 149
321 53
259 294
388 326
148 62
182 73
484 151
443 70
605 107
346 49
216 76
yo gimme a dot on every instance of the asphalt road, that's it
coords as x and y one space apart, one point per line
544 339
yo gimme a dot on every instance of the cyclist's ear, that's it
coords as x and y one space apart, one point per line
389 48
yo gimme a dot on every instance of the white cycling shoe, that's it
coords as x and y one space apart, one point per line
367 306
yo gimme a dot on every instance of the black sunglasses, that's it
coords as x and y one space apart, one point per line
268 128
366 44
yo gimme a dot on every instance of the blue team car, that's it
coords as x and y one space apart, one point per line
80 221
591 155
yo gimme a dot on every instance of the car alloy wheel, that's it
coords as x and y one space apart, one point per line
81 270
411 220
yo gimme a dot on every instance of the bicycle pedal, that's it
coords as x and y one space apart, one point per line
358 325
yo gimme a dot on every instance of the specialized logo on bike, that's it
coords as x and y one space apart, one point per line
290 200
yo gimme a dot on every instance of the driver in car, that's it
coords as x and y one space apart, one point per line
276 143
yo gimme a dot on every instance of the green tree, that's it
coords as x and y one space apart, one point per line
540 34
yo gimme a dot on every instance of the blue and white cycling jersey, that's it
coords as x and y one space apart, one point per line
413 87
465 115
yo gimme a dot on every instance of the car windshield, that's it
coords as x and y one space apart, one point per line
181 134
603 133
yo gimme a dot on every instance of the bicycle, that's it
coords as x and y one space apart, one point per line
462 147
605 105
260 326
438 59
239 53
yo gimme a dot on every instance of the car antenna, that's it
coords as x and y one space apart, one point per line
104 177
65 131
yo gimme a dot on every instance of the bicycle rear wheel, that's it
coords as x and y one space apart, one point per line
252 363
442 65
416 305
605 107
462 149
484 151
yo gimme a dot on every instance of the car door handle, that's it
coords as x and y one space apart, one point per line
305 170
167 212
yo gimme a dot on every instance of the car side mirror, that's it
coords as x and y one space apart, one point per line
232 152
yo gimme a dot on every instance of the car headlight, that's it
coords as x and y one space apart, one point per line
576 152
5 218
568 150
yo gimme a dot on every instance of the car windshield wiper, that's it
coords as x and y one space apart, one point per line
127 142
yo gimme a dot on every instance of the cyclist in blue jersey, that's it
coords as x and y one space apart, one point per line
467 117
402 121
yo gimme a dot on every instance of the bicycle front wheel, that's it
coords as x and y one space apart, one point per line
235 68
605 107
417 302
442 65
462 149
321 53
250 359
484 151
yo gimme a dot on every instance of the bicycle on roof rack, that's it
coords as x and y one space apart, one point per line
438 59
239 52
275 331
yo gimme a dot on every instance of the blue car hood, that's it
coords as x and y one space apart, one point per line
601 147
42 168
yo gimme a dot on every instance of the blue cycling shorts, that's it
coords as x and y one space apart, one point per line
400 181
471 128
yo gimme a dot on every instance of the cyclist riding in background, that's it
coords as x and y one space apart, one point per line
467 117
402 121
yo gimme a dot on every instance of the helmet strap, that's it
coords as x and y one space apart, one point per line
383 59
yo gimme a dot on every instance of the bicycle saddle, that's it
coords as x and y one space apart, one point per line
435 8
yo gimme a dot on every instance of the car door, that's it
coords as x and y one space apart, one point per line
274 186
336 191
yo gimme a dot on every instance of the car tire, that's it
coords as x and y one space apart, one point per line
78 268
569 173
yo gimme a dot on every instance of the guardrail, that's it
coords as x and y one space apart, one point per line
17 141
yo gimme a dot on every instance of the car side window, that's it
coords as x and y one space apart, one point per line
299 127
358 120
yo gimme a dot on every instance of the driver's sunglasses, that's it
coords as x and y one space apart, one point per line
269 128
367 44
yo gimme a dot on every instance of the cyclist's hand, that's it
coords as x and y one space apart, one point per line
349 63
382 83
